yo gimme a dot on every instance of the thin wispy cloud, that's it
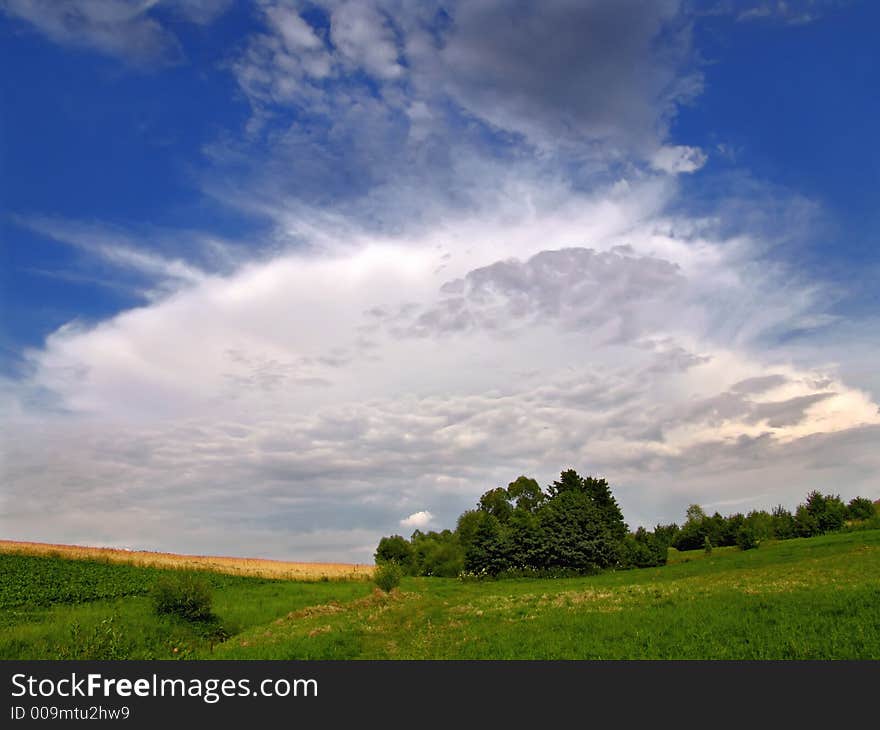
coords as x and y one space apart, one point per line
126 29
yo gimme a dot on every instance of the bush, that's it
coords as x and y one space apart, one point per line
707 545
643 549
186 596
747 538
387 576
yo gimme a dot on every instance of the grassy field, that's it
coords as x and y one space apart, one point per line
816 598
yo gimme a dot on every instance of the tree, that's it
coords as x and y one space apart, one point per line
467 525
761 522
598 492
489 550
612 517
396 549
569 481
496 502
828 511
575 534
526 493
437 553
527 540
805 523
725 530
666 533
695 530
860 508
783 523
694 514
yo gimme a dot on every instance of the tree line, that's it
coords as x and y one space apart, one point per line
576 527
817 515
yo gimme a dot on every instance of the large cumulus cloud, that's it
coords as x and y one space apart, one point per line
341 390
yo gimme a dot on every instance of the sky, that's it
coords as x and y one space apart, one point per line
280 278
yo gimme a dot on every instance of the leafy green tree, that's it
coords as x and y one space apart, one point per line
396 549
805 522
575 534
437 553
569 481
783 524
761 522
489 551
860 508
695 530
467 526
496 502
828 511
527 540
598 492
726 529
526 494
694 514
666 533
612 517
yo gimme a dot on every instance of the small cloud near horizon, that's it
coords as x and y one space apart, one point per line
417 519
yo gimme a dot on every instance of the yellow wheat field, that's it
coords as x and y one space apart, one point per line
236 566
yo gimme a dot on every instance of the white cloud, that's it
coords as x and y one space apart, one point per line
675 159
297 34
417 520
364 38
293 395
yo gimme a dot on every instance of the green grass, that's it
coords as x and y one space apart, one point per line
816 598
54 608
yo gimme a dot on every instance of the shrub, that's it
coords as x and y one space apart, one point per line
707 545
747 538
387 576
643 549
186 596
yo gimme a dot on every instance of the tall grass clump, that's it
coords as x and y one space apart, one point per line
186 596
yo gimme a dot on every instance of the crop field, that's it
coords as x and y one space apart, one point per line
811 598
233 566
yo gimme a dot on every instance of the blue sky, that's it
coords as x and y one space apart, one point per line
277 277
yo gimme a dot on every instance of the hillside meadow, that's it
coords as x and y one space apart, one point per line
806 598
